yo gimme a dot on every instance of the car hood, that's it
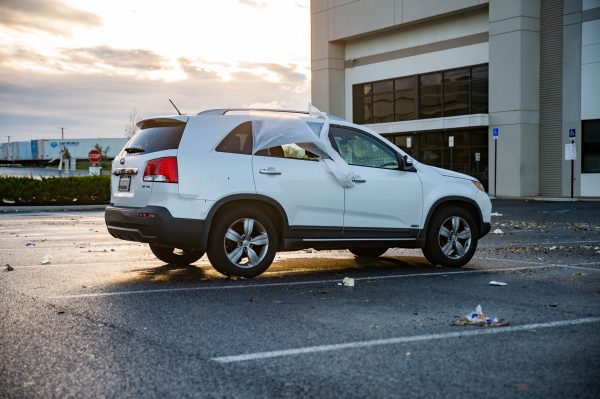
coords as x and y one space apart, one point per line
450 173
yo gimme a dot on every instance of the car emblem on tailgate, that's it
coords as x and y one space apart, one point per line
122 161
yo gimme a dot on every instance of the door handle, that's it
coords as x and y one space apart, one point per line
358 179
269 171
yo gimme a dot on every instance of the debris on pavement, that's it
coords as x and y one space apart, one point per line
9 268
496 214
30 244
498 283
497 231
552 248
578 274
347 282
477 318
46 259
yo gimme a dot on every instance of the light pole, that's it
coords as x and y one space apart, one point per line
62 151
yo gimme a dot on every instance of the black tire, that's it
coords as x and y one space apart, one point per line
229 240
455 245
368 252
174 256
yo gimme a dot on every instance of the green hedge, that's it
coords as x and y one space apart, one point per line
85 190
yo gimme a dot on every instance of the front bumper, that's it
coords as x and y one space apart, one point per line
155 225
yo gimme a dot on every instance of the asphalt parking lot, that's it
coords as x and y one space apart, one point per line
86 315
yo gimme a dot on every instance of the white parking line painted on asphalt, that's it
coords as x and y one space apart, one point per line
400 340
293 283
530 244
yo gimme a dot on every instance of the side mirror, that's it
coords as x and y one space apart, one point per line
408 165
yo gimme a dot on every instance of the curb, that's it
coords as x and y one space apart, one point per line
51 208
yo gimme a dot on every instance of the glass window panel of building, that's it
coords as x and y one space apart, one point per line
453 92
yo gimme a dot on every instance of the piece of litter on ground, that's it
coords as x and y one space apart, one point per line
477 318
348 282
496 214
9 268
578 274
30 244
552 248
553 305
497 231
46 259
498 283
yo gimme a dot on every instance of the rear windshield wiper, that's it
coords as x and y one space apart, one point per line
134 150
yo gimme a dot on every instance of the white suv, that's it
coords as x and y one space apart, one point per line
242 184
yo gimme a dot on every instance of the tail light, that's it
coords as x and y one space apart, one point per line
161 170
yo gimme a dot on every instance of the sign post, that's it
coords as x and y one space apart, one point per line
95 157
571 154
495 134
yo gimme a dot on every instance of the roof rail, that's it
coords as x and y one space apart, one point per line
223 111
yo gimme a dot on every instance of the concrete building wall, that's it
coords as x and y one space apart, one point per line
590 80
359 41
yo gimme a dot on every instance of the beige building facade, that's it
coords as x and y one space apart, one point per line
504 90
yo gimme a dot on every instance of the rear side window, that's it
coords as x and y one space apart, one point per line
238 141
153 139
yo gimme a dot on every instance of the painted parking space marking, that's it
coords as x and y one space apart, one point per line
400 340
295 283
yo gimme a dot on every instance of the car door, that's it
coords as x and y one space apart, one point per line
311 197
385 201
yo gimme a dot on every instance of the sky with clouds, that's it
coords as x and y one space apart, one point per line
86 64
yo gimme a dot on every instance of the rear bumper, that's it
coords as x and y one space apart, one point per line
155 225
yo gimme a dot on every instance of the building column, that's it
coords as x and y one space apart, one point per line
327 63
514 79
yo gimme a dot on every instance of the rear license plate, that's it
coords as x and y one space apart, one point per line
124 183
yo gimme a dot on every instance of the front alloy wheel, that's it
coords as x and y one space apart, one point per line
451 237
242 242
454 237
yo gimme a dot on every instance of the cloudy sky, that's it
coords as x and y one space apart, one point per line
86 64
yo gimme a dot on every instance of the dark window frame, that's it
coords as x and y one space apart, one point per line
359 94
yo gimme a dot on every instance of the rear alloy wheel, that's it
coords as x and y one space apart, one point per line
243 242
451 238
175 256
368 252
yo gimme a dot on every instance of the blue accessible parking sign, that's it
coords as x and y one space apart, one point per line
572 133
495 133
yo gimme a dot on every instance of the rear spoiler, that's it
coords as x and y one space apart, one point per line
162 121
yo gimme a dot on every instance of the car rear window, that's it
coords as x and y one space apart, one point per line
238 141
153 139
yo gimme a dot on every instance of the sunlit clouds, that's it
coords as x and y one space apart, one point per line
87 64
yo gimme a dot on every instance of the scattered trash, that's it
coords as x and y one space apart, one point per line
9 268
498 283
497 231
348 282
552 248
46 259
553 305
496 214
60 312
407 354
477 318
578 274
30 244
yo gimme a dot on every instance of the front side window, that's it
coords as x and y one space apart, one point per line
360 149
